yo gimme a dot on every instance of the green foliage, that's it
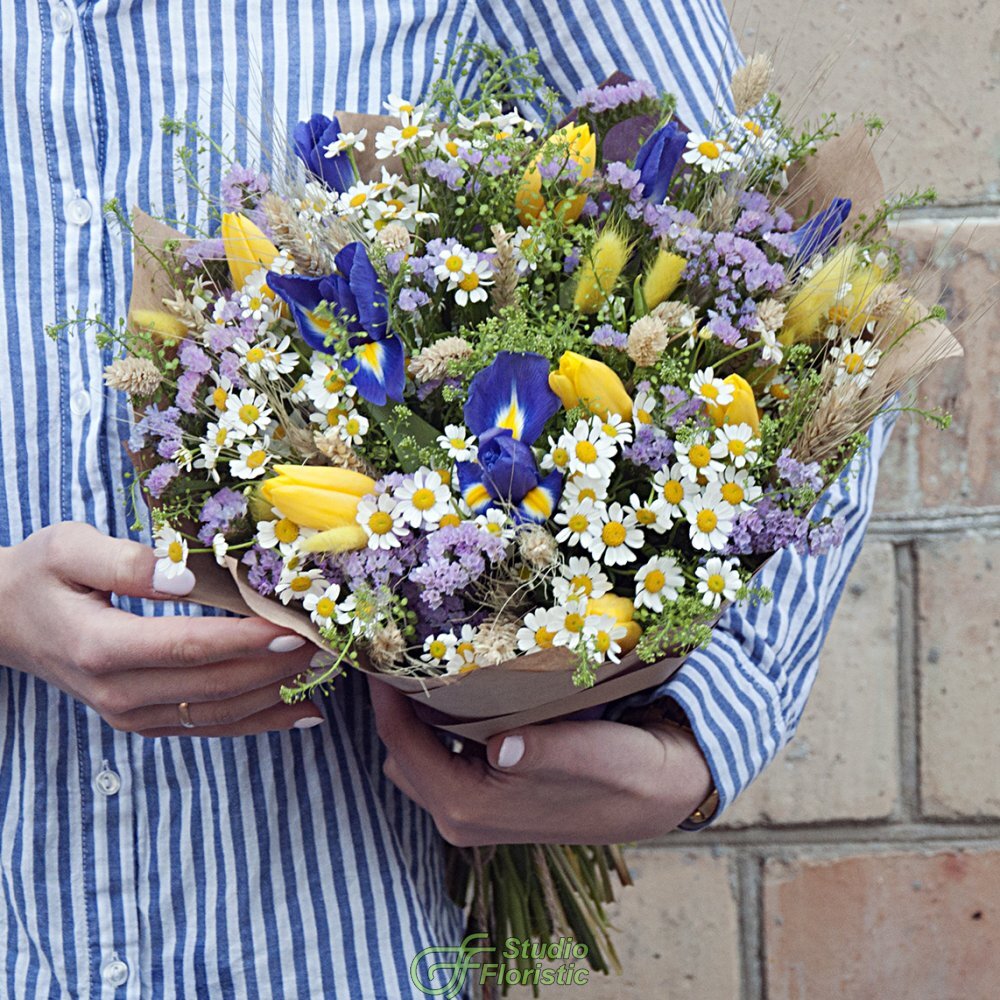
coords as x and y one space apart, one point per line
683 625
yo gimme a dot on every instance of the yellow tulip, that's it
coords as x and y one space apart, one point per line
574 142
599 271
593 384
247 249
811 304
622 610
344 539
163 326
663 278
742 409
319 497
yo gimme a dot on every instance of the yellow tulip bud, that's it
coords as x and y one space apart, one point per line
622 610
593 384
247 249
320 497
599 271
574 142
344 539
663 278
161 326
810 307
742 409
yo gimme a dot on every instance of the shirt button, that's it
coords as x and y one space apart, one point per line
115 973
79 211
62 19
79 402
107 782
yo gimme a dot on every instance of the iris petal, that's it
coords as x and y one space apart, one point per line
512 393
379 370
539 504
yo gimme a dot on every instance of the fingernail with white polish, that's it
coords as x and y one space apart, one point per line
176 586
308 722
511 751
286 643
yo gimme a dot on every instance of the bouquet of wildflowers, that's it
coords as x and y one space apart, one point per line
503 411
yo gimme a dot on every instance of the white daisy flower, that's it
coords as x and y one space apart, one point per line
539 629
171 551
247 412
528 243
404 110
557 457
739 489
295 584
220 547
251 460
591 452
616 427
578 520
280 532
391 141
322 607
711 389
657 581
449 145
604 634
770 349
458 443
382 522
654 515
642 409
737 443
579 577
672 488
614 536
855 362
463 658
353 427
496 522
579 487
422 499
710 518
474 282
571 621
266 358
255 302
710 155
346 141
718 580
453 262
354 201
440 648
697 458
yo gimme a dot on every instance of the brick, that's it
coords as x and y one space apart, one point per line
883 926
959 628
677 932
843 761
928 69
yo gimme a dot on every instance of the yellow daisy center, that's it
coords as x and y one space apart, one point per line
754 129
587 493
582 584
643 416
380 523
423 499
839 314
452 147
220 436
700 456
710 391
410 131
544 637
716 583
457 443
358 200
325 607
352 426
613 534
256 458
333 382
249 413
655 581
300 584
602 642
854 362
219 398
732 493
454 263
175 552
437 649
573 623
645 516
585 451
578 523
737 447
779 391
255 355
707 520
560 456
709 150
469 282
450 520
673 491
286 531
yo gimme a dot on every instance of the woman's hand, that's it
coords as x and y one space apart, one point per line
563 782
58 624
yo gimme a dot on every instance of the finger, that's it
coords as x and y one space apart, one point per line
131 690
116 640
304 715
86 556
393 772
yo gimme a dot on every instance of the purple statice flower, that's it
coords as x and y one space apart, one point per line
389 482
826 535
450 172
221 338
187 391
551 169
798 474
394 261
592 208
378 567
193 358
264 569
160 477
621 175
411 299
162 424
471 155
766 528
651 448
219 512
607 336
496 164
675 224
242 188
453 558
601 99
200 252
229 367
571 261
679 405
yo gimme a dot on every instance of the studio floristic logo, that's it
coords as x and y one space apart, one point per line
443 970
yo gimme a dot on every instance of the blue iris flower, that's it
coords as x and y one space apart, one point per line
356 298
657 160
821 232
509 404
310 140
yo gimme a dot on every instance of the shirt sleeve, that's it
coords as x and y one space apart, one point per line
685 47
744 693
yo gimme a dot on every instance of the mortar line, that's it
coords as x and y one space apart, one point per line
748 883
907 694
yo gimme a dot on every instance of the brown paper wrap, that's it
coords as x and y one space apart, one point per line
538 687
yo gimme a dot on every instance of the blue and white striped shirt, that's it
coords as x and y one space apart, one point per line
284 865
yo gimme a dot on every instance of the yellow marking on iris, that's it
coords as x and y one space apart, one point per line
539 502
513 419
476 495
372 356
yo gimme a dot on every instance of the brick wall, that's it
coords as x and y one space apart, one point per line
865 863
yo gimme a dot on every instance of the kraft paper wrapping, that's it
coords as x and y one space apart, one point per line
538 687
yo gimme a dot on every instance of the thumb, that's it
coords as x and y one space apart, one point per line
87 557
547 745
